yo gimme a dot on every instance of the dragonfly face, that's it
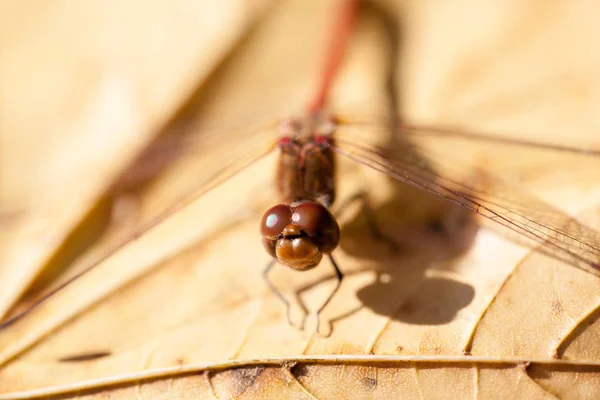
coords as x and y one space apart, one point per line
299 234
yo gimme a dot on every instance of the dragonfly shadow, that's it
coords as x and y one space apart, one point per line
436 301
408 235
403 288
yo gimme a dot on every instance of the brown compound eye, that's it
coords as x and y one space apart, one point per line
274 220
316 220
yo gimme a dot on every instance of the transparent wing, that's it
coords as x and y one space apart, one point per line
368 125
442 162
208 160
211 159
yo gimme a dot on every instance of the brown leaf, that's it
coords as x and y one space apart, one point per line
105 102
182 311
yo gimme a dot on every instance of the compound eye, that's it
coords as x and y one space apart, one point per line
316 220
312 217
274 220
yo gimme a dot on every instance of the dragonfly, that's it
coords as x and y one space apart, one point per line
301 230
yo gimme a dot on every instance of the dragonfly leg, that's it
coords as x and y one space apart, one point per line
372 224
280 296
339 277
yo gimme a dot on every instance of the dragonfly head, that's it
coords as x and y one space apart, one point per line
300 233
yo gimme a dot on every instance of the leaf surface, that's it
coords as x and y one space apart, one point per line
182 309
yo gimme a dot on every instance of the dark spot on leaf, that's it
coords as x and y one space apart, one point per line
85 356
370 383
245 377
300 370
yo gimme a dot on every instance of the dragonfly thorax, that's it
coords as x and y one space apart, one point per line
306 168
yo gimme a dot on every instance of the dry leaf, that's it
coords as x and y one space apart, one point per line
74 124
182 311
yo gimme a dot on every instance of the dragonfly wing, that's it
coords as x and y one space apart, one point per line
219 162
439 173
